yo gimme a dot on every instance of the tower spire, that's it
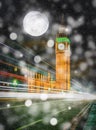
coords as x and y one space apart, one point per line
62 19
62 58
62 27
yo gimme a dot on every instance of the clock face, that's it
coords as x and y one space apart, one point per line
61 46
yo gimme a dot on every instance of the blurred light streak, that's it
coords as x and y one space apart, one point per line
78 117
78 86
28 52
66 95
46 89
30 124
10 83
28 65
40 103
53 122
17 106
29 68
22 78
83 110
13 50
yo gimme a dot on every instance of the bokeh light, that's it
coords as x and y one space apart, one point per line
24 54
8 105
37 59
28 103
50 43
53 121
13 36
44 97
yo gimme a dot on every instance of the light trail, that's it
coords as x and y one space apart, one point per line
42 60
83 110
17 106
74 106
40 120
74 82
30 124
77 85
22 78
35 122
52 90
30 67
25 49
13 50
10 58
17 87
79 116
10 83
64 95
9 64
14 89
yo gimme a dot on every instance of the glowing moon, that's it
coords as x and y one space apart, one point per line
35 23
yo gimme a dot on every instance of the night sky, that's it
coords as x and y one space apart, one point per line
79 18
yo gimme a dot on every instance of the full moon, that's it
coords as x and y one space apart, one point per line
35 23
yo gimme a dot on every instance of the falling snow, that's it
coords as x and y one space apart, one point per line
20 53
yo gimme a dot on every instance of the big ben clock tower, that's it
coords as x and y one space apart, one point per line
62 60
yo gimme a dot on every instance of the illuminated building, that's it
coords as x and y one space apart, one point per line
41 81
62 82
62 61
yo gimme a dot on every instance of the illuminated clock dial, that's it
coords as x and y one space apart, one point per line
61 46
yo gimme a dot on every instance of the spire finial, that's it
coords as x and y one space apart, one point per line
61 27
62 19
